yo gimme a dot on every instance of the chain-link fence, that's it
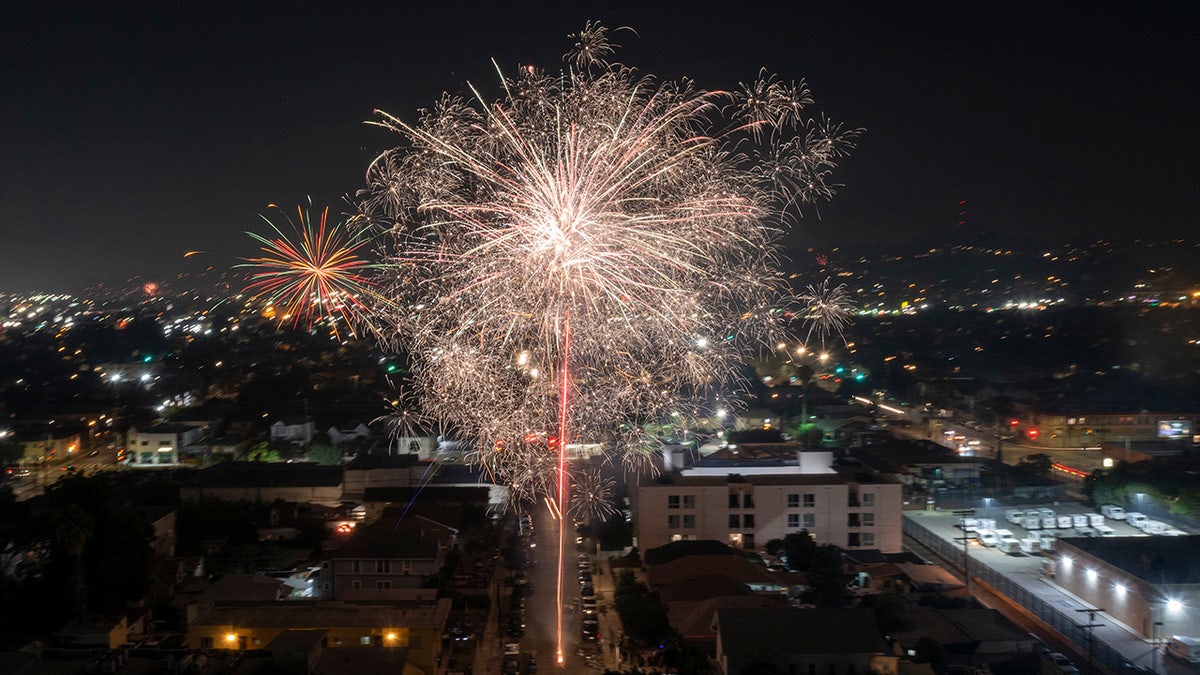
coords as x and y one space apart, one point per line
1066 624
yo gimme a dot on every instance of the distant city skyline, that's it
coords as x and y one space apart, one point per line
131 138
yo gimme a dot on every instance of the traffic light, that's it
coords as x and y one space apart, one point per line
1014 422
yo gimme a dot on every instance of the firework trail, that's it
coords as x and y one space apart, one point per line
314 273
826 310
634 220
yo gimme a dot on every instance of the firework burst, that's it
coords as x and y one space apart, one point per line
827 310
589 253
313 273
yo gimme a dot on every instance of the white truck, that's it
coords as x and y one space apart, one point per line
1080 520
1050 522
1066 522
1047 544
1184 648
1009 546
1032 522
1014 516
988 538
1105 531
1154 527
1031 546
1095 519
1136 519
985 524
969 524
1113 511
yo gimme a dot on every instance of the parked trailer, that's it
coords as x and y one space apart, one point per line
1113 511
1031 546
1045 512
1048 544
1001 535
1154 527
1032 523
985 524
1184 648
1105 531
1066 522
1095 519
1014 516
1009 546
1049 522
988 538
1136 519
1080 520
969 524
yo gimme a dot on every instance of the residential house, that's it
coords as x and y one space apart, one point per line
159 445
829 641
386 559
298 431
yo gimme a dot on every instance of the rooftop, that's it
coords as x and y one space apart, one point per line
762 632
1155 560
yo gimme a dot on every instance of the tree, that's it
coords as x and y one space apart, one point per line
326 454
262 452
1038 463
796 550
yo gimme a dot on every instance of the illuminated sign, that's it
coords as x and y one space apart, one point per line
1174 428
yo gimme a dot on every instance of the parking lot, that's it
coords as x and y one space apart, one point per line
1025 583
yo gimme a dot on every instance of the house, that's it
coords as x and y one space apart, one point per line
351 433
833 641
386 559
414 627
298 431
265 482
104 632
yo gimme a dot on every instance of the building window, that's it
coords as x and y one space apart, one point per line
734 521
689 522
748 500
810 500
337 642
793 520
733 500
852 540
748 521
356 567
868 538
689 501
868 520
868 499
810 520
357 583
382 585
672 522
672 501
406 567
364 640
793 501
383 566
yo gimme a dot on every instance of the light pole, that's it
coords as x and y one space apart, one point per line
1091 625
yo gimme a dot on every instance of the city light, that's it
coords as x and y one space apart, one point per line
1174 605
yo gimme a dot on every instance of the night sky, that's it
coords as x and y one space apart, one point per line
133 132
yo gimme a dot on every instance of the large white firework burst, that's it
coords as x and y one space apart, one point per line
597 234
826 310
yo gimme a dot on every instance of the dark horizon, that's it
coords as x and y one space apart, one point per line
131 137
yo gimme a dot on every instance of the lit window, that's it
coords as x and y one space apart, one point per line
364 640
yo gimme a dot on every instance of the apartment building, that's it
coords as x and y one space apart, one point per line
748 504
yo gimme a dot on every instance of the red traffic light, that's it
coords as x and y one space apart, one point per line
1013 423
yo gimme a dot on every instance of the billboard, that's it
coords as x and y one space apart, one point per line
1174 428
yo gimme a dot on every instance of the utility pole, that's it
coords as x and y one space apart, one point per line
1154 645
966 542
1090 626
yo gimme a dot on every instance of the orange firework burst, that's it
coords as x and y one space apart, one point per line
316 273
